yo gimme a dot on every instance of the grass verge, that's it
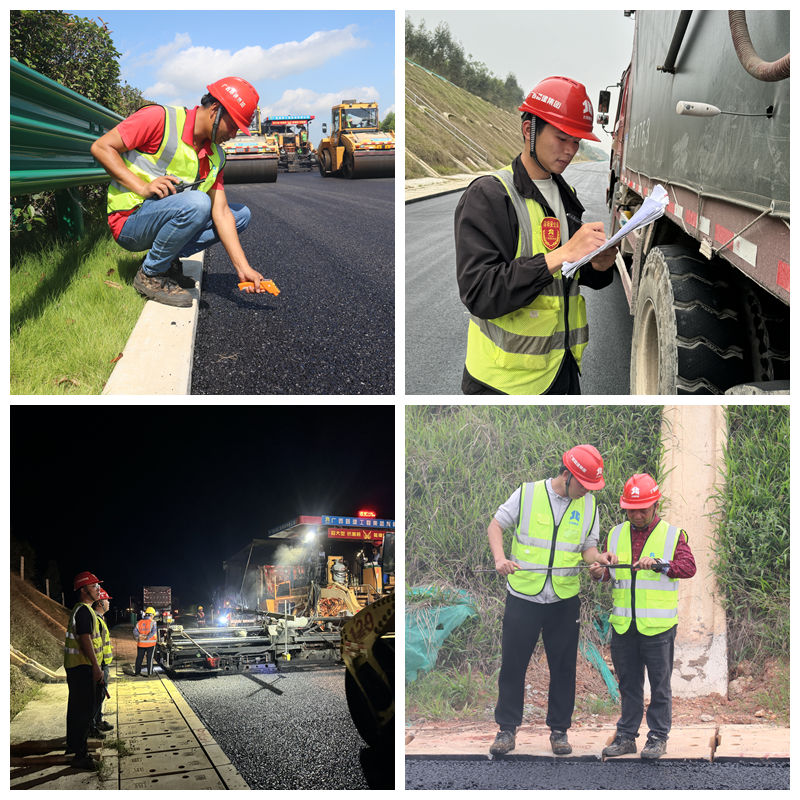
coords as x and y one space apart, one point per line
22 690
73 307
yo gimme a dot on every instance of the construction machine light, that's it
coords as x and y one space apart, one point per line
310 536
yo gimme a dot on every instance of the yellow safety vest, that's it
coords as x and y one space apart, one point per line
539 543
651 597
173 157
105 634
521 352
73 655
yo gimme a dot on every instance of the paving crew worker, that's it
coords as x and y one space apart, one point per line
100 607
146 634
148 155
513 230
83 656
644 616
201 617
555 523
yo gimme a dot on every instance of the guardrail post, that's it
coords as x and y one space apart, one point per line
69 214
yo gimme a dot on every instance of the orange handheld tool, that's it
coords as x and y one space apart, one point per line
268 285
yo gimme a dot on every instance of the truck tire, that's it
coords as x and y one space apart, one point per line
348 166
324 163
687 332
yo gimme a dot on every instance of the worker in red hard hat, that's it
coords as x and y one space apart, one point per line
152 156
83 657
659 555
513 231
99 726
555 528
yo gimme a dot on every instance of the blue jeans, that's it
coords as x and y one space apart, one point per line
176 226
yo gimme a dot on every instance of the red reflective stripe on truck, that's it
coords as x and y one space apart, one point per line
782 278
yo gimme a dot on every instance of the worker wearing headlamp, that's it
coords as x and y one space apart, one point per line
149 156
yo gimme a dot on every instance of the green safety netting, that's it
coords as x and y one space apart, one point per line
428 624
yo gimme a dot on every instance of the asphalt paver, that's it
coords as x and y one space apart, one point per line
328 244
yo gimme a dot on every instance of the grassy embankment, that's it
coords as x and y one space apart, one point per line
463 462
73 307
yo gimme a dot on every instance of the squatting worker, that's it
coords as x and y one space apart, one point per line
100 607
83 656
513 231
644 616
555 523
145 632
148 155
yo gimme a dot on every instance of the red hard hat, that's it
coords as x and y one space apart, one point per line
84 579
238 97
640 491
586 464
102 594
564 104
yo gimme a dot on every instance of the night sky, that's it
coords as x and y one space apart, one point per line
155 495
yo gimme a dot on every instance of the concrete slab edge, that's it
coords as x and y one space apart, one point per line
157 358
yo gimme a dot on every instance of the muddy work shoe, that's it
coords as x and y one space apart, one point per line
619 747
176 273
161 289
503 743
655 748
559 744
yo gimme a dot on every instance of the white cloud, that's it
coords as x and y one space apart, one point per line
181 64
157 56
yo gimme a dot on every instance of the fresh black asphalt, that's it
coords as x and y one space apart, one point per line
328 244
290 730
567 774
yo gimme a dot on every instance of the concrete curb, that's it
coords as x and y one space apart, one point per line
420 189
158 355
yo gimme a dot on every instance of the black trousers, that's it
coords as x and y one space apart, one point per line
81 707
143 653
631 652
559 625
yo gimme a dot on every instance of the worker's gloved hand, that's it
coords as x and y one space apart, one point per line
505 566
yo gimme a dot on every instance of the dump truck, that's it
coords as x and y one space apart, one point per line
356 148
292 139
252 157
704 111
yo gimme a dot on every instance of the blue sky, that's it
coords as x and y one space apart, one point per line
300 62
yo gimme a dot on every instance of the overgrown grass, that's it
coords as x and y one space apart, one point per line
462 462
752 546
73 307
22 690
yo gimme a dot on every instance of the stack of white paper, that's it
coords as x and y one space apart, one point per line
651 209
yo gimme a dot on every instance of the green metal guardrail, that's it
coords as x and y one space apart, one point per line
52 130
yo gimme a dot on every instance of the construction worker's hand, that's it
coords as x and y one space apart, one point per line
608 559
97 673
505 566
605 260
596 570
586 239
249 274
645 563
163 185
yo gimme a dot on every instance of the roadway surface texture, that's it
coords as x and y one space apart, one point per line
436 321
566 774
328 244
290 730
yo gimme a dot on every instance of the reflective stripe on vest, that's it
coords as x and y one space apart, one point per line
147 635
105 635
536 537
654 594
521 352
73 655
173 157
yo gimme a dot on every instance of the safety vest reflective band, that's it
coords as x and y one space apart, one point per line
649 597
521 352
538 542
105 635
146 630
73 655
173 157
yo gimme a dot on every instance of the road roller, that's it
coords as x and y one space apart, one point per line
251 158
357 147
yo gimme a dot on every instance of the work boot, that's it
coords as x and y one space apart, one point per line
559 743
95 734
176 273
619 747
503 743
83 762
655 747
161 289
105 726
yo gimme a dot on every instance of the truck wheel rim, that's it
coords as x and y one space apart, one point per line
648 367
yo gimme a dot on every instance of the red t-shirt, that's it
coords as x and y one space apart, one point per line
143 130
